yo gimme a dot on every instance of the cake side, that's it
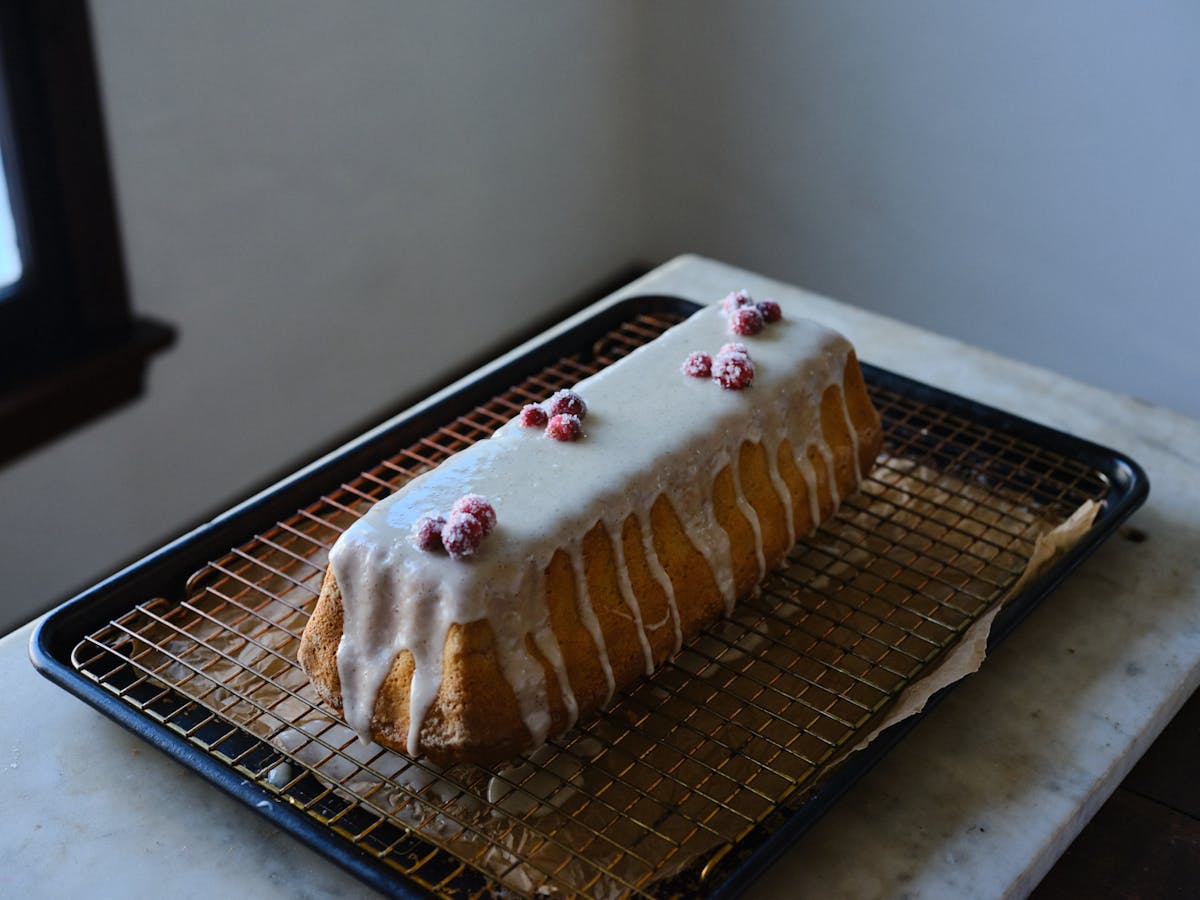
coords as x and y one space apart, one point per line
610 552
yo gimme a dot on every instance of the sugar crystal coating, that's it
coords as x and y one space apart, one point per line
566 403
533 416
697 365
734 347
733 371
427 533
564 427
736 300
478 507
747 320
462 534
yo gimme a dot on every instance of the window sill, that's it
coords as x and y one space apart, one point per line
68 390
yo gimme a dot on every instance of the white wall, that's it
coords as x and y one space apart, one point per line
1025 176
338 203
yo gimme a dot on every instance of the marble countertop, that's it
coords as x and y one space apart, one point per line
978 800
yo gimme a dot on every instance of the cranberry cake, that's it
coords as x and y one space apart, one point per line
495 601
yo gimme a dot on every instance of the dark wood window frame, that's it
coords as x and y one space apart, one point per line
71 348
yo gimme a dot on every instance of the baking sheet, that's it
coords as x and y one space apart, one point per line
690 774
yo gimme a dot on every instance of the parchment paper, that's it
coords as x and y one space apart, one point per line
969 653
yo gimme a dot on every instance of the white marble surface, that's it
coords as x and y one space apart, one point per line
978 801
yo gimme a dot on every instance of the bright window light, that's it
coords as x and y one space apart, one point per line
10 254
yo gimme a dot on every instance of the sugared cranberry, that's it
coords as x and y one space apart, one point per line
697 364
462 534
533 416
427 533
770 311
564 427
747 320
566 403
733 371
734 347
477 506
736 300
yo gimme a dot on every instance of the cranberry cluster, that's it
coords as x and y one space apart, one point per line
460 533
562 416
732 369
747 317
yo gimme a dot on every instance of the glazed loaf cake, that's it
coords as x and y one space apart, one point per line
609 551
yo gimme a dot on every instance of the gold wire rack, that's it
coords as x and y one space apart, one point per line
686 772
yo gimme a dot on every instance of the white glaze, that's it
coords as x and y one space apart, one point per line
649 431
627 594
751 515
660 575
784 494
809 474
587 617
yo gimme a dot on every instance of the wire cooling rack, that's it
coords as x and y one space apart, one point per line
735 744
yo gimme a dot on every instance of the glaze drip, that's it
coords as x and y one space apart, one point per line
650 432
547 644
587 616
635 609
750 515
831 469
783 493
809 474
660 575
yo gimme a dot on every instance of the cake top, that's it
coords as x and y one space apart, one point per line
642 414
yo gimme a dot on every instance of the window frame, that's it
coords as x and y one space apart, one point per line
70 346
